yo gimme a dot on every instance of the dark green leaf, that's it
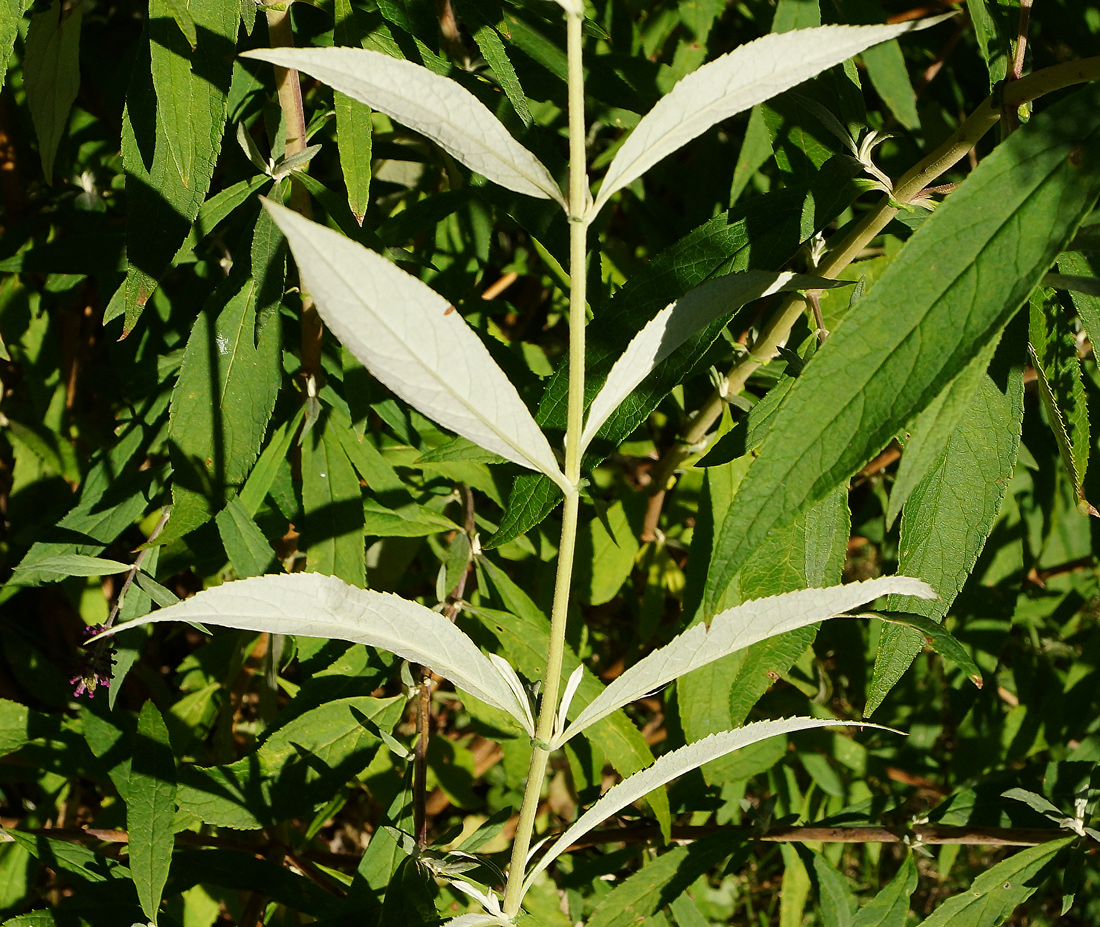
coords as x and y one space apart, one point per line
150 807
922 322
51 75
333 502
891 905
248 549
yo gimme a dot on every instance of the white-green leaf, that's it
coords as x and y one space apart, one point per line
733 630
746 76
314 605
669 767
411 339
434 106
677 322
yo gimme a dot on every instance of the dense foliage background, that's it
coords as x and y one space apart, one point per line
169 421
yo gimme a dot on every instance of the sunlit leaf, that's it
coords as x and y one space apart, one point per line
734 630
668 767
412 340
748 75
434 106
313 605
677 322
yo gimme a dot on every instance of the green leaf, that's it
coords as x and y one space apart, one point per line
660 882
160 202
891 905
14 726
835 900
248 549
296 769
182 15
150 808
333 504
496 56
353 123
170 57
217 209
950 513
413 351
51 75
222 401
262 477
313 605
940 639
998 890
9 30
1087 306
1058 371
76 565
932 430
604 560
921 323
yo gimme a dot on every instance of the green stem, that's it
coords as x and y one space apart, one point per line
551 683
872 224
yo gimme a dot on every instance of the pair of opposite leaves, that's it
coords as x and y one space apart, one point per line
404 334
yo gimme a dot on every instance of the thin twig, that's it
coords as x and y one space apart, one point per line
851 245
427 682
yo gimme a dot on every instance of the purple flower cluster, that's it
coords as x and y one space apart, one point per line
96 664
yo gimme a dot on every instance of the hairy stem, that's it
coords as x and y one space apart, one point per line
551 683
778 328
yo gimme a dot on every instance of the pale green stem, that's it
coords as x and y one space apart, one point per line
872 224
551 683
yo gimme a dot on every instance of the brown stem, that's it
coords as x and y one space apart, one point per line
281 35
427 684
912 184
1016 65
929 834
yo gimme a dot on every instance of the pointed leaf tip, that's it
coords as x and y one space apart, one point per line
412 340
435 106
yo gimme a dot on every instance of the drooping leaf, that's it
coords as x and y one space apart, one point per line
941 640
424 352
998 890
668 767
950 513
922 322
170 52
51 75
222 401
312 605
677 322
434 106
734 630
150 807
751 74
